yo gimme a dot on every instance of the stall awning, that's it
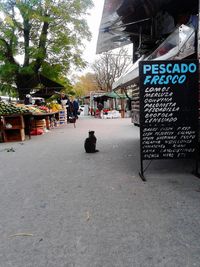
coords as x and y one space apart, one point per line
48 87
178 45
111 35
46 92
115 95
122 19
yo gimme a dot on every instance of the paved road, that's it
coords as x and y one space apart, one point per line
83 210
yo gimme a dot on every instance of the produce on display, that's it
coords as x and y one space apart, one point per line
9 109
44 108
36 110
55 107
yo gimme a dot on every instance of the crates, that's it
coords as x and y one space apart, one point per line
38 124
17 122
13 135
12 128
62 116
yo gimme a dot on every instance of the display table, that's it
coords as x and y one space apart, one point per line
42 116
13 127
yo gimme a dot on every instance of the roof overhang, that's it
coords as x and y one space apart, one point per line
121 19
182 45
48 87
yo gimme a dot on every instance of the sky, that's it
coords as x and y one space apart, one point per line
93 21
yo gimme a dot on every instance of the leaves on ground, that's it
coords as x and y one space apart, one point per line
21 234
10 149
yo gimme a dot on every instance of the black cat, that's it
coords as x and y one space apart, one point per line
90 143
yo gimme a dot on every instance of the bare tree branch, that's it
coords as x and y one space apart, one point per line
110 67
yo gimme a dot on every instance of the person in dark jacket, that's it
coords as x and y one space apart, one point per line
28 100
100 108
76 108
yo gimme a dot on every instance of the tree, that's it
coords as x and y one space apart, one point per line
110 67
47 36
85 84
6 89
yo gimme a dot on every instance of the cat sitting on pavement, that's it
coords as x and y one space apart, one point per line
90 143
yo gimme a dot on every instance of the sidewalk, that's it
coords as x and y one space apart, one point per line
93 210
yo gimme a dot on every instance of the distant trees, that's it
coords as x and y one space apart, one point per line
110 66
106 69
85 84
40 36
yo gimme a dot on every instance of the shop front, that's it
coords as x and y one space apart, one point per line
157 30
165 91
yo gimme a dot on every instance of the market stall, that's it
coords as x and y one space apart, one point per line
18 120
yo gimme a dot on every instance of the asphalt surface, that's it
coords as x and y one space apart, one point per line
61 207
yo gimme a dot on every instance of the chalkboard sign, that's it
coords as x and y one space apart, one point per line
168 109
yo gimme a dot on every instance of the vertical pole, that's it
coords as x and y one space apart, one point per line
197 50
197 46
197 169
141 173
122 105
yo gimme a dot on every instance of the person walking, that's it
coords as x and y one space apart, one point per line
100 108
76 108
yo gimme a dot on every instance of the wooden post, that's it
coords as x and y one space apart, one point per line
122 106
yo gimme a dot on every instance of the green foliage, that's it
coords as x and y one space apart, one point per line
7 89
7 71
51 70
42 36
85 84
27 70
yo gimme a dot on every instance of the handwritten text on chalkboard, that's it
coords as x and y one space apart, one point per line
168 109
